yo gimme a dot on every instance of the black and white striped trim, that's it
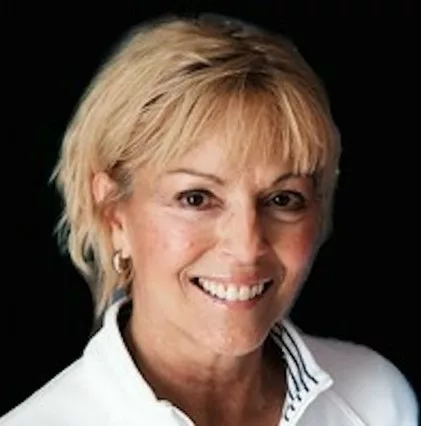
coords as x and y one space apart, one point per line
301 374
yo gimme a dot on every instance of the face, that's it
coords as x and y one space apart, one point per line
219 256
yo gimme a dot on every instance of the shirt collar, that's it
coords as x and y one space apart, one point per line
305 379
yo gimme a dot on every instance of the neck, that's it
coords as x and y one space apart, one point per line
210 388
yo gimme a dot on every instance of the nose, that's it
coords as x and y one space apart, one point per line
242 236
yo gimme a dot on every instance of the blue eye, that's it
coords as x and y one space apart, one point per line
288 200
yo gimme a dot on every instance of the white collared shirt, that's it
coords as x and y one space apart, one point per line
329 383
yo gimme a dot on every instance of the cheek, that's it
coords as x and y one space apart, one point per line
161 241
298 245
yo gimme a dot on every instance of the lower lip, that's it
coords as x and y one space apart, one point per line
240 304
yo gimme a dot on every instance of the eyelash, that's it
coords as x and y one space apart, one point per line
299 202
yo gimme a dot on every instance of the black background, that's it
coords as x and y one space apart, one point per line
364 286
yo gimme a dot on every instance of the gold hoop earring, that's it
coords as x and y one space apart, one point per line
118 262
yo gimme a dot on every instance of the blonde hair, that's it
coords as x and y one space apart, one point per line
167 85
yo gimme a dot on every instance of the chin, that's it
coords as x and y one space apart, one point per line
236 344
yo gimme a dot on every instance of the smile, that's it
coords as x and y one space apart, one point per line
231 292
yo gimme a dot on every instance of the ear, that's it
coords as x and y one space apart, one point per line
102 185
114 216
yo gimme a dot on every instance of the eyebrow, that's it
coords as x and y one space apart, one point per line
220 181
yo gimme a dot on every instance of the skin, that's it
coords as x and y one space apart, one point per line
202 218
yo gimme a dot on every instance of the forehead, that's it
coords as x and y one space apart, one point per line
217 154
210 161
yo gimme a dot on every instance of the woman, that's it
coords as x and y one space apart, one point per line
198 176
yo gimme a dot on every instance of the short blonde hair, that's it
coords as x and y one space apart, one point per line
167 85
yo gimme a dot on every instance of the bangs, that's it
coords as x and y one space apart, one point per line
252 122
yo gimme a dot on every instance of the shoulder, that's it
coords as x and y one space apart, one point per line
365 381
65 399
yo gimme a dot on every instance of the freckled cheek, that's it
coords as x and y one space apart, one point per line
169 241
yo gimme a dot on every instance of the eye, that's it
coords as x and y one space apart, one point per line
288 201
197 199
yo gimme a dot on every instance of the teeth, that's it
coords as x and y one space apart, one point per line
231 292
253 290
244 293
220 291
